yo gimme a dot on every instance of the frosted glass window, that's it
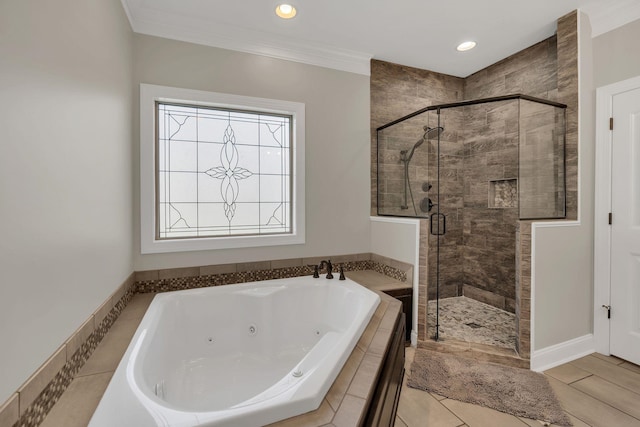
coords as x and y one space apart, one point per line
222 172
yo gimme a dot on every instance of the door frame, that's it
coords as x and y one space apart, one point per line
602 232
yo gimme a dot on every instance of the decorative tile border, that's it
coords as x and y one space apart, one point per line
35 413
192 277
191 282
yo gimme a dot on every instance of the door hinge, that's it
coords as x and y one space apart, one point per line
610 218
608 307
610 123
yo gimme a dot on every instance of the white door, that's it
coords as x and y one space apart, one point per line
625 228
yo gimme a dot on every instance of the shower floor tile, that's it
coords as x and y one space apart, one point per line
465 319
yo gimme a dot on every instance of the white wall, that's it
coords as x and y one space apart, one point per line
562 253
616 55
399 239
337 141
65 172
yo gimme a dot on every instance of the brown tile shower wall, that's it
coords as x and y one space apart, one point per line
451 200
492 139
568 94
523 289
491 158
541 177
396 91
532 71
546 70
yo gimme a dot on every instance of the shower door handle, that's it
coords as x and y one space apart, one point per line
438 231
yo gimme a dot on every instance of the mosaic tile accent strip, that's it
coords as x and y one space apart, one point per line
182 283
38 410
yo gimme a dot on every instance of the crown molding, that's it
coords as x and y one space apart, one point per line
606 16
249 41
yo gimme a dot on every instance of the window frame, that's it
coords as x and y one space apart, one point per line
149 95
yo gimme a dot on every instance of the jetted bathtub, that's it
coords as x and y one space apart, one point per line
238 355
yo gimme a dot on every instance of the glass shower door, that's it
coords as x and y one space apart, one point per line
445 219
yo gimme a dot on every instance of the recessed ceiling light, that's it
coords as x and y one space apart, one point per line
286 11
466 46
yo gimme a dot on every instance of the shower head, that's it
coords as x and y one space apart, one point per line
428 134
432 132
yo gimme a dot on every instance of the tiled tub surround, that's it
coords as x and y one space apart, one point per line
229 354
35 398
214 275
343 405
547 70
31 403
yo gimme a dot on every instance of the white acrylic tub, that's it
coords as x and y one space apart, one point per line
239 355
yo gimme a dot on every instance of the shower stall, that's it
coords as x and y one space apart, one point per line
472 170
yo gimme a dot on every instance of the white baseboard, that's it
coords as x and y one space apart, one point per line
556 355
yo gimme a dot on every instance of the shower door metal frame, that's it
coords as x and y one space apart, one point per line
438 214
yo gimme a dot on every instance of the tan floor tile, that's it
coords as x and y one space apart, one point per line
577 422
137 307
616 396
592 411
399 423
79 401
567 373
107 355
478 416
409 353
437 396
535 423
631 367
610 372
611 359
419 408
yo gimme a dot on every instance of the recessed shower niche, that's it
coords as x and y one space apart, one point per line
503 193
489 163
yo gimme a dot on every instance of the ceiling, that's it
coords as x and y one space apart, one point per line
345 35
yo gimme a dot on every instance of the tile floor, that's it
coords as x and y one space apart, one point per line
596 391
466 319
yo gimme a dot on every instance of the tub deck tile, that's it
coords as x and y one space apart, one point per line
368 334
344 404
351 412
341 384
109 352
77 404
364 381
321 416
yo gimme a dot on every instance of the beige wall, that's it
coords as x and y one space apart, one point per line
563 253
65 172
337 141
615 54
